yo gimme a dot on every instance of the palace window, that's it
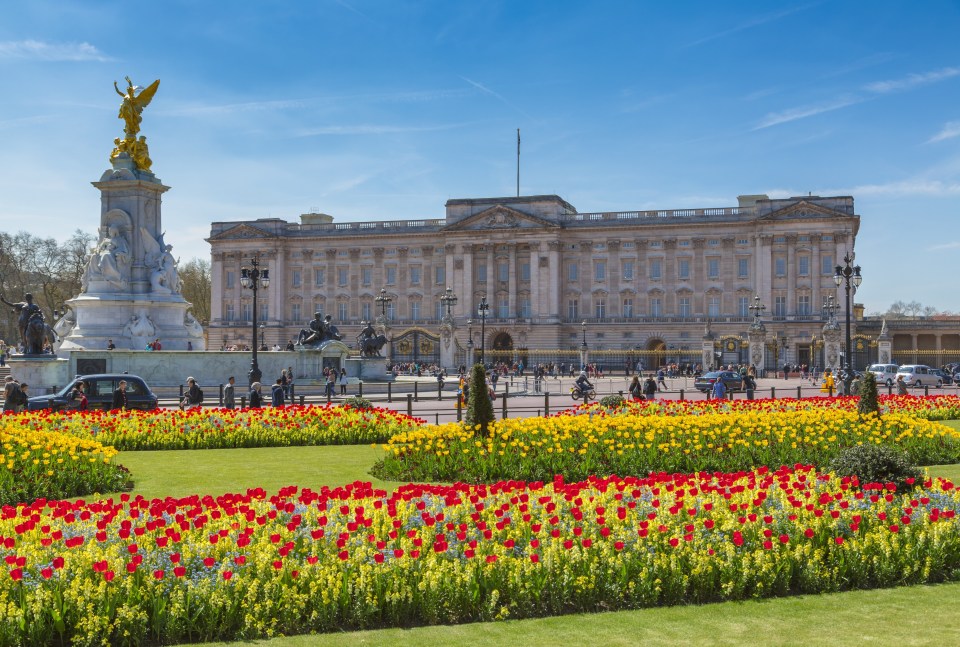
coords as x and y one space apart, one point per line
628 307
573 272
295 314
713 306
780 306
343 275
246 312
295 278
228 312
627 270
318 277
599 307
683 269
525 271
656 269
656 307
342 310
743 268
826 265
803 264
231 279
573 309
713 268
780 266
503 307
366 275
683 306
525 310
391 275
803 305
264 311
415 272
415 310
743 306
441 275
503 271
481 272
600 271
365 309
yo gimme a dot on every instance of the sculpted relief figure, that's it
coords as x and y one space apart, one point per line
139 325
194 329
164 279
109 260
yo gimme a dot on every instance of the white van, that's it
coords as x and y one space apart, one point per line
885 373
919 375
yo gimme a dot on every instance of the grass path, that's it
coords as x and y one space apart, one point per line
918 615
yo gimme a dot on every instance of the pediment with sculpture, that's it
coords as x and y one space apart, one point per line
501 217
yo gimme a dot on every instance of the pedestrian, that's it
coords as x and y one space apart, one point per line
650 388
276 394
749 384
289 387
827 386
786 371
331 382
13 396
855 385
661 384
77 395
111 345
256 398
901 386
719 389
119 397
189 345
229 394
193 397
343 381
636 391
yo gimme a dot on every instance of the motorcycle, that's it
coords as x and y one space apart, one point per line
576 393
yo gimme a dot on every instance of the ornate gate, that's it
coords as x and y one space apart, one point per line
416 345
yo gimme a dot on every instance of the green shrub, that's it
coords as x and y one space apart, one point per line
877 464
479 406
611 402
868 395
356 402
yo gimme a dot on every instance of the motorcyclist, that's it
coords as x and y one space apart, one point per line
583 384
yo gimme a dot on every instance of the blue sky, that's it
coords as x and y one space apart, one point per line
384 109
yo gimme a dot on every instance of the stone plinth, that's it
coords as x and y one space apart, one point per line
43 373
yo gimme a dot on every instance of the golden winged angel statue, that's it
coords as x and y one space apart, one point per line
133 105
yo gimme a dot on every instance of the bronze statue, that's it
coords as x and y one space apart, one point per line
369 342
318 331
34 331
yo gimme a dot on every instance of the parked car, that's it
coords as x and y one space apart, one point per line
99 390
885 373
731 380
944 375
919 375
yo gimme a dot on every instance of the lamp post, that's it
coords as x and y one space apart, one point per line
470 342
757 309
583 346
383 300
263 329
449 299
253 278
846 275
482 310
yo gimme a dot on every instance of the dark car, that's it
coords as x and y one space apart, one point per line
731 380
946 376
99 390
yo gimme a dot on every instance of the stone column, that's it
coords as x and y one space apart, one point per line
536 267
489 288
279 286
219 278
791 275
816 276
554 279
699 278
512 281
614 271
670 277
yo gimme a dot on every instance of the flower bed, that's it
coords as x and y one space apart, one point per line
580 446
243 566
933 407
53 465
224 429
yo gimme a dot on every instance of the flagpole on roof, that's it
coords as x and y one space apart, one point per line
518 162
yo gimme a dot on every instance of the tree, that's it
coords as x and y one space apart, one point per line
195 275
479 406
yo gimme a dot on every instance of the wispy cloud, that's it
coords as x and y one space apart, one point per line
497 95
950 130
802 112
859 64
951 245
350 7
228 108
912 81
41 51
901 188
870 90
372 129
755 22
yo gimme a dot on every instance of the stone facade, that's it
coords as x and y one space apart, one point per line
641 280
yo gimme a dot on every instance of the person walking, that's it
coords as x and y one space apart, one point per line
256 398
650 388
331 382
343 381
749 384
636 391
719 389
661 383
12 396
119 397
901 386
276 393
77 395
229 394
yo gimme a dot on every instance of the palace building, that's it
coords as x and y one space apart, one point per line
632 285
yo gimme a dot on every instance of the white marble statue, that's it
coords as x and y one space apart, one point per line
139 325
194 329
164 278
109 260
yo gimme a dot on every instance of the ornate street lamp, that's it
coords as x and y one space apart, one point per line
829 309
449 299
583 346
263 329
253 278
846 275
482 310
757 309
470 342
383 300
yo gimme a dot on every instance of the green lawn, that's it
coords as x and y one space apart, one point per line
920 615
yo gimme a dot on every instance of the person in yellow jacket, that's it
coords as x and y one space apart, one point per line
827 386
